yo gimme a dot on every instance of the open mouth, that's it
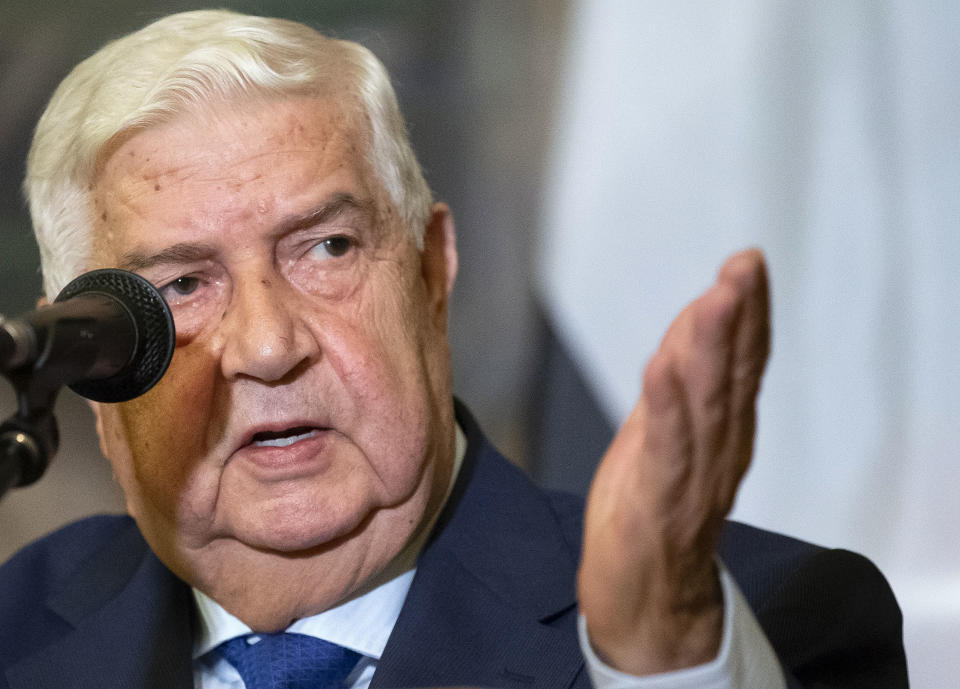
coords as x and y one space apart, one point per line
283 438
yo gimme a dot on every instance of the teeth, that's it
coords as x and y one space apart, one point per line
284 441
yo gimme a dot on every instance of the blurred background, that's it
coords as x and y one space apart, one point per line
601 159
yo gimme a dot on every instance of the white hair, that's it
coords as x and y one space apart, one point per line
178 64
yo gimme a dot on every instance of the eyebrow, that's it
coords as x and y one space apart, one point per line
189 252
184 252
337 205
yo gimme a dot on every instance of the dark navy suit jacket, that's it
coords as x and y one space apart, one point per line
492 604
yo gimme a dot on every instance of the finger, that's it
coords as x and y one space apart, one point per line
745 273
705 381
666 446
707 365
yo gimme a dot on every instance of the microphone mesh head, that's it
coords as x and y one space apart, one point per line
155 333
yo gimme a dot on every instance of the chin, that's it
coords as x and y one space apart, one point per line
305 532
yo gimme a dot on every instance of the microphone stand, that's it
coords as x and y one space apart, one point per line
29 437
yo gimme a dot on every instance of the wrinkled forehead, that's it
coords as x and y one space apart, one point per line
222 149
334 114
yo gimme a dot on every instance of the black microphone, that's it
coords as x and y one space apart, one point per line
108 335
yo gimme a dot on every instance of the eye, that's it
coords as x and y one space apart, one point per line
184 286
331 247
180 289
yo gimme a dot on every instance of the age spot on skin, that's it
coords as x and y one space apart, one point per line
156 187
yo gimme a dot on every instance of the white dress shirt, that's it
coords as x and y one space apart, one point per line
363 624
745 659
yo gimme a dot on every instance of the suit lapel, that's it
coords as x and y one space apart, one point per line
493 600
131 626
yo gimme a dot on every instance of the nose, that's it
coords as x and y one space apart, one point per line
264 335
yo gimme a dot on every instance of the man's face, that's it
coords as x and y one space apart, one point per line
308 406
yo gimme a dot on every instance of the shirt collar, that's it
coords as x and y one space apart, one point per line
362 623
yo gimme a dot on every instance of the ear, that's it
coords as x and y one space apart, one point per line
439 258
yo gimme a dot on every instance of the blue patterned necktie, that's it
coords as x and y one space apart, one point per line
289 661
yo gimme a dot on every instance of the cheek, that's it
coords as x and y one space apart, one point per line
389 366
113 443
383 361
416 345
165 432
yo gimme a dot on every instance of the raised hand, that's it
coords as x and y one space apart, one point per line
648 583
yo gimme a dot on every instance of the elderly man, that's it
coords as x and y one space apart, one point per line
302 474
